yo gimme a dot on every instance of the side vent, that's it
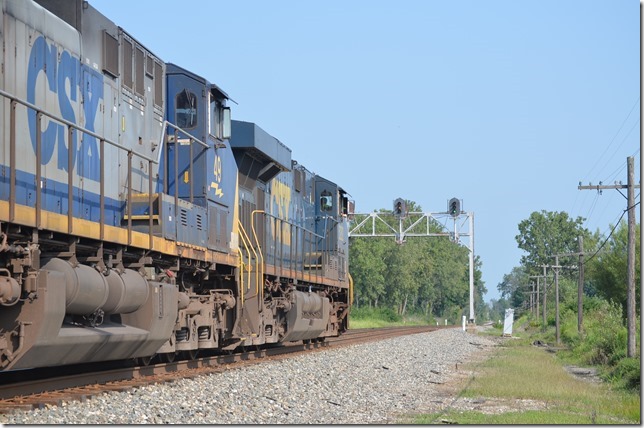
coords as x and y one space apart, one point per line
297 180
128 55
110 54
158 85
199 222
139 65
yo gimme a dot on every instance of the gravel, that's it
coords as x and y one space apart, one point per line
361 384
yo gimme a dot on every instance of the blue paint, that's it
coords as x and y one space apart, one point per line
67 70
41 55
82 79
86 205
92 94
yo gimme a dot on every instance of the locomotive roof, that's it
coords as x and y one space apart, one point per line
172 68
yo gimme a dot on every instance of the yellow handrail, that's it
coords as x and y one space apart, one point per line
242 266
247 243
259 247
350 289
241 279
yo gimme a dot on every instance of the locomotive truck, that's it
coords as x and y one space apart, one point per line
137 219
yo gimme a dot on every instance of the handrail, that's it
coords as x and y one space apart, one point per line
248 244
164 148
259 248
176 128
71 127
311 240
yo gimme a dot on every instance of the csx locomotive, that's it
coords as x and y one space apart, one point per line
137 220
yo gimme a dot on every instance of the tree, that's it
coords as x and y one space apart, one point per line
546 234
514 288
428 275
479 286
366 259
607 270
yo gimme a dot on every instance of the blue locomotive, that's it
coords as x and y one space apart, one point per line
137 220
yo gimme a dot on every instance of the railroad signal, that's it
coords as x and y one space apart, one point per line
400 208
454 207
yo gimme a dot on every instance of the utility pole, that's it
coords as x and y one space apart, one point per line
556 268
630 207
538 292
630 302
557 330
580 286
545 288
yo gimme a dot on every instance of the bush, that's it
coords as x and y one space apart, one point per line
385 314
605 335
627 373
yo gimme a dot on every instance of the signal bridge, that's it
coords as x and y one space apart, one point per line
419 224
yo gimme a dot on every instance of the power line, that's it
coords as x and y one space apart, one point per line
620 144
609 236
613 139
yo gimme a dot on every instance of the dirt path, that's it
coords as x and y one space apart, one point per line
448 395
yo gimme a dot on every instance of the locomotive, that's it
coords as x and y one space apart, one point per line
137 219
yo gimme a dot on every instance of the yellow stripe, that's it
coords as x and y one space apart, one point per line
55 222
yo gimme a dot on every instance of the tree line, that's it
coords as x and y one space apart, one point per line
545 234
424 275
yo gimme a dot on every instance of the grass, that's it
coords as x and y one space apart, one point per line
522 371
383 317
376 323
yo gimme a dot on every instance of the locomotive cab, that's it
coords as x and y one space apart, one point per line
200 167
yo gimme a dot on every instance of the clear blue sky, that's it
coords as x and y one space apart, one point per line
504 104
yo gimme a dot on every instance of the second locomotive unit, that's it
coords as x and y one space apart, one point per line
137 220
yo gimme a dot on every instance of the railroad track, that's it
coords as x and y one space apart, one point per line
80 384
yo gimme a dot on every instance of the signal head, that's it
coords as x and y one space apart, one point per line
454 207
400 208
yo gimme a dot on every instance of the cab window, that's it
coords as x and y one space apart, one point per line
326 201
186 110
219 117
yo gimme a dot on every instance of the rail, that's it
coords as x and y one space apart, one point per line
39 387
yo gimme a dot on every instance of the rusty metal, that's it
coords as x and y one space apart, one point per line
176 175
102 190
150 205
129 198
12 161
70 180
38 168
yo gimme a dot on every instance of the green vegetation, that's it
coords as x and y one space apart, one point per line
520 371
428 278
423 277
384 317
603 341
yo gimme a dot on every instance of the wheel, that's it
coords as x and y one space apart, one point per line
167 357
192 354
145 361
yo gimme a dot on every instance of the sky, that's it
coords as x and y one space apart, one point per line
506 105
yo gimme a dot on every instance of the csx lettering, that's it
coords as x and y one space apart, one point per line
72 82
